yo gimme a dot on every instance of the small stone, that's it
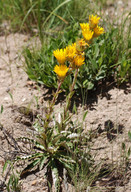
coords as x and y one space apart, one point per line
23 99
8 89
120 2
30 83
6 99
34 182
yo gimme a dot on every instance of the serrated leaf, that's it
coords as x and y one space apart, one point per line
30 166
36 143
67 160
67 165
57 138
42 162
73 135
27 157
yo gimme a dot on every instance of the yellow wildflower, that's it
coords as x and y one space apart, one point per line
81 45
61 70
60 55
93 21
71 51
87 34
79 60
98 31
84 26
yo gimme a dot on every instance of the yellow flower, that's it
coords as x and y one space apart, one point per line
93 21
61 70
79 60
71 51
98 31
81 45
87 34
60 55
84 26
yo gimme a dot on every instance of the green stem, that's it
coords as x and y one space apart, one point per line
47 120
70 94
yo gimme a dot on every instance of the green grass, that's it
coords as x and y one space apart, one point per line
26 15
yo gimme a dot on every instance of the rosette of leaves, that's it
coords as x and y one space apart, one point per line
56 148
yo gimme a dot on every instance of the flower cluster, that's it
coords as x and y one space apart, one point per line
74 54
92 29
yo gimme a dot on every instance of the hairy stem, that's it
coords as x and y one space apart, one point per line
68 102
47 120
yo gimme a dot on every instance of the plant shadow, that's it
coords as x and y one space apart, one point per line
91 96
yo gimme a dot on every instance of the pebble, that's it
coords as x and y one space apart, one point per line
34 182
8 89
6 99
23 99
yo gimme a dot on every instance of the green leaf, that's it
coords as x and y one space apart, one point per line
73 136
74 110
30 166
90 85
42 161
96 50
55 176
129 152
1 111
57 138
36 143
84 116
85 83
129 135
123 146
11 96
67 164
5 165
27 157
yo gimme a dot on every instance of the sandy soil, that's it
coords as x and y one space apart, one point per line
108 118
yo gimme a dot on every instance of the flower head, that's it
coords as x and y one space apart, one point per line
61 71
71 51
98 31
93 21
60 55
84 26
79 60
87 34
